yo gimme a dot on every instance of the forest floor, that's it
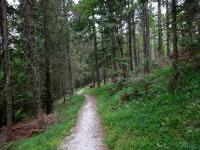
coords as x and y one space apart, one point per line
53 135
87 135
143 113
29 127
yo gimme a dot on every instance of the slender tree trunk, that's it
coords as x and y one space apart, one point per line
49 102
93 73
121 51
66 9
1 55
175 49
149 55
134 41
104 59
146 39
63 90
199 30
92 61
174 82
130 44
68 53
48 47
69 63
96 53
31 46
160 46
138 58
120 42
114 62
7 63
167 27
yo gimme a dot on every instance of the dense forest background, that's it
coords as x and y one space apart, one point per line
51 47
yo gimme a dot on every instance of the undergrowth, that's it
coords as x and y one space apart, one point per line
154 119
52 137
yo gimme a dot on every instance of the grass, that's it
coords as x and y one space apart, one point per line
53 136
156 119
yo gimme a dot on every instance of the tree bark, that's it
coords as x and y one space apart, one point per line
114 53
7 63
167 27
33 54
175 49
160 46
121 51
48 47
146 38
68 54
63 90
174 82
104 59
96 53
130 44
134 40
93 73
92 60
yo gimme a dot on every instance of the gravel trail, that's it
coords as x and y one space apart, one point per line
87 135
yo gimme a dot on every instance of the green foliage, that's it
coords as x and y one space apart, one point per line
52 137
159 120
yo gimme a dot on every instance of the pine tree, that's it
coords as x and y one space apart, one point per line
30 28
7 66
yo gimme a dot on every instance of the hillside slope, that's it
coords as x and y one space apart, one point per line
146 114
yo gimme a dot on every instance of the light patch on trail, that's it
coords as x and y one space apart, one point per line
87 135
80 92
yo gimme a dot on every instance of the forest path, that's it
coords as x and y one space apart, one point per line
87 135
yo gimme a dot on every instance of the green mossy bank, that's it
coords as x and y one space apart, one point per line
154 117
53 136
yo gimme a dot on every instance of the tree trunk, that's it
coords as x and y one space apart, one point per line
121 51
104 59
63 90
33 55
48 47
49 102
114 54
167 27
160 46
66 9
146 39
134 40
199 30
68 54
92 61
93 73
130 44
68 57
175 49
148 36
174 82
96 53
7 63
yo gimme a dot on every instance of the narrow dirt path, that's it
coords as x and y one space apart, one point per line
87 135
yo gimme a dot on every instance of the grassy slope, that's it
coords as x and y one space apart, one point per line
52 137
159 121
